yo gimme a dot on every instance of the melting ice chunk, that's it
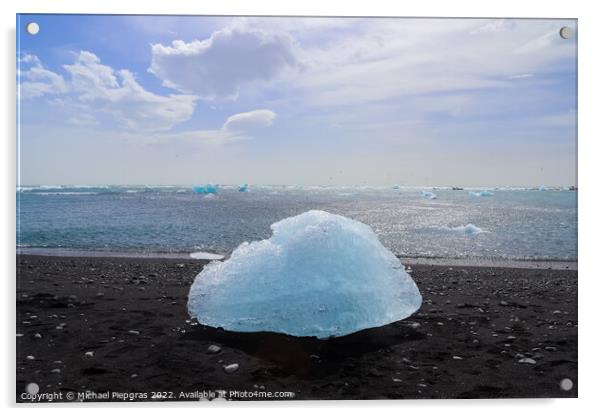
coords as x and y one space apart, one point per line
243 188
318 275
429 195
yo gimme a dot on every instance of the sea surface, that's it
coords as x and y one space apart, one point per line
512 224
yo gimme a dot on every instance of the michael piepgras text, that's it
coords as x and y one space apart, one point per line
83 396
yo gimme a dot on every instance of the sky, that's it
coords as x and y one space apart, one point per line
286 100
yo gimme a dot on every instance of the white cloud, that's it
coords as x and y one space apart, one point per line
36 80
118 94
249 120
217 67
93 89
83 120
384 59
494 26
236 128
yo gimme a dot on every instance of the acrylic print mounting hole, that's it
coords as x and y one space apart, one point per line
32 28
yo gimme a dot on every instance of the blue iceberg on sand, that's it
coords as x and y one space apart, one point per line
318 275
243 188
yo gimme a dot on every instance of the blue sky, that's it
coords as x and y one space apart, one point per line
334 101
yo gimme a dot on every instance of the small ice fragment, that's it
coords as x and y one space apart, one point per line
131 331
201 255
527 361
230 368
89 354
429 195
543 188
30 357
243 188
457 357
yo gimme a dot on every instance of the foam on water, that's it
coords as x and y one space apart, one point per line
468 229
201 255
480 193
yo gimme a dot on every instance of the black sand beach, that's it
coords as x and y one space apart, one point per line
120 325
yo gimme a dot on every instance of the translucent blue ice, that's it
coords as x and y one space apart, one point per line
318 275
205 189
243 188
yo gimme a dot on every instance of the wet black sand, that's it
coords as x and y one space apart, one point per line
467 341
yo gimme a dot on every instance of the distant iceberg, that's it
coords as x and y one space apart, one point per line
429 195
205 189
543 188
243 188
481 193
319 275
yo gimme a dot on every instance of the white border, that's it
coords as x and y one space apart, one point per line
590 24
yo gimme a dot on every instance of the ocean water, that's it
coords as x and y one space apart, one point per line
517 224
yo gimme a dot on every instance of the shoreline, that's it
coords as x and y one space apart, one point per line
407 261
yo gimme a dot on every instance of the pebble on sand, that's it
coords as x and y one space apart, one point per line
213 349
230 368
